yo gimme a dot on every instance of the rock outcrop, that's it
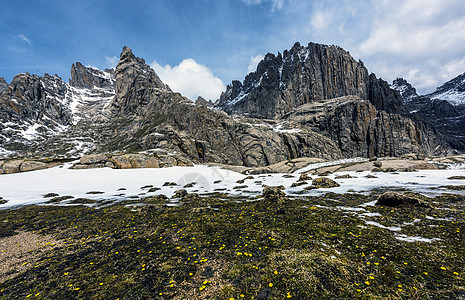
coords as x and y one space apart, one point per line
397 199
360 130
131 161
302 75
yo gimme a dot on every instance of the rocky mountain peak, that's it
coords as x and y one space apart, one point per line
406 90
3 85
452 91
301 75
134 81
89 77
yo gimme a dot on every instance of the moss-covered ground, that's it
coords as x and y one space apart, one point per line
217 248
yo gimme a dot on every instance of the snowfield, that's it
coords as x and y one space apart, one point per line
121 184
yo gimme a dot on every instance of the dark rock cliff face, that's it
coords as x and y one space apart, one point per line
359 129
29 99
446 115
301 75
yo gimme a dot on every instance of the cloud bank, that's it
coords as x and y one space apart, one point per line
191 79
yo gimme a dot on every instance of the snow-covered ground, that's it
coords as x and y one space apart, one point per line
30 187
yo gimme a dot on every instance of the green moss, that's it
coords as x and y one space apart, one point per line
308 249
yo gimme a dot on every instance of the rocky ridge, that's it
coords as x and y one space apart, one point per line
131 110
34 108
301 75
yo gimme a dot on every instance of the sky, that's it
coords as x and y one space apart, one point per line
198 47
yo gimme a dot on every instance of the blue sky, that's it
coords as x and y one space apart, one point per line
198 47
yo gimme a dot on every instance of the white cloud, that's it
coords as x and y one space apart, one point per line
254 60
320 20
420 40
275 4
191 79
111 61
23 38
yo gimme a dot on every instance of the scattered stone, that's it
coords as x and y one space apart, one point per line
170 184
373 158
378 164
154 189
273 195
240 181
456 178
310 187
304 177
326 173
377 170
394 199
346 176
298 183
121 189
3 201
180 194
324 182
59 199
189 185
51 195
370 176
454 187
288 176
249 177
94 193
82 201
240 187
217 181
147 186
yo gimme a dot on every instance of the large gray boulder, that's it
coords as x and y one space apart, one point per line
31 165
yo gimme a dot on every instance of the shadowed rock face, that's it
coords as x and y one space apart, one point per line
448 117
301 75
89 78
359 129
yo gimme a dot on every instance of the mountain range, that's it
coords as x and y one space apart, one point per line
309 101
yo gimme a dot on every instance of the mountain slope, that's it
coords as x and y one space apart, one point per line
132 110
452 91
34 108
